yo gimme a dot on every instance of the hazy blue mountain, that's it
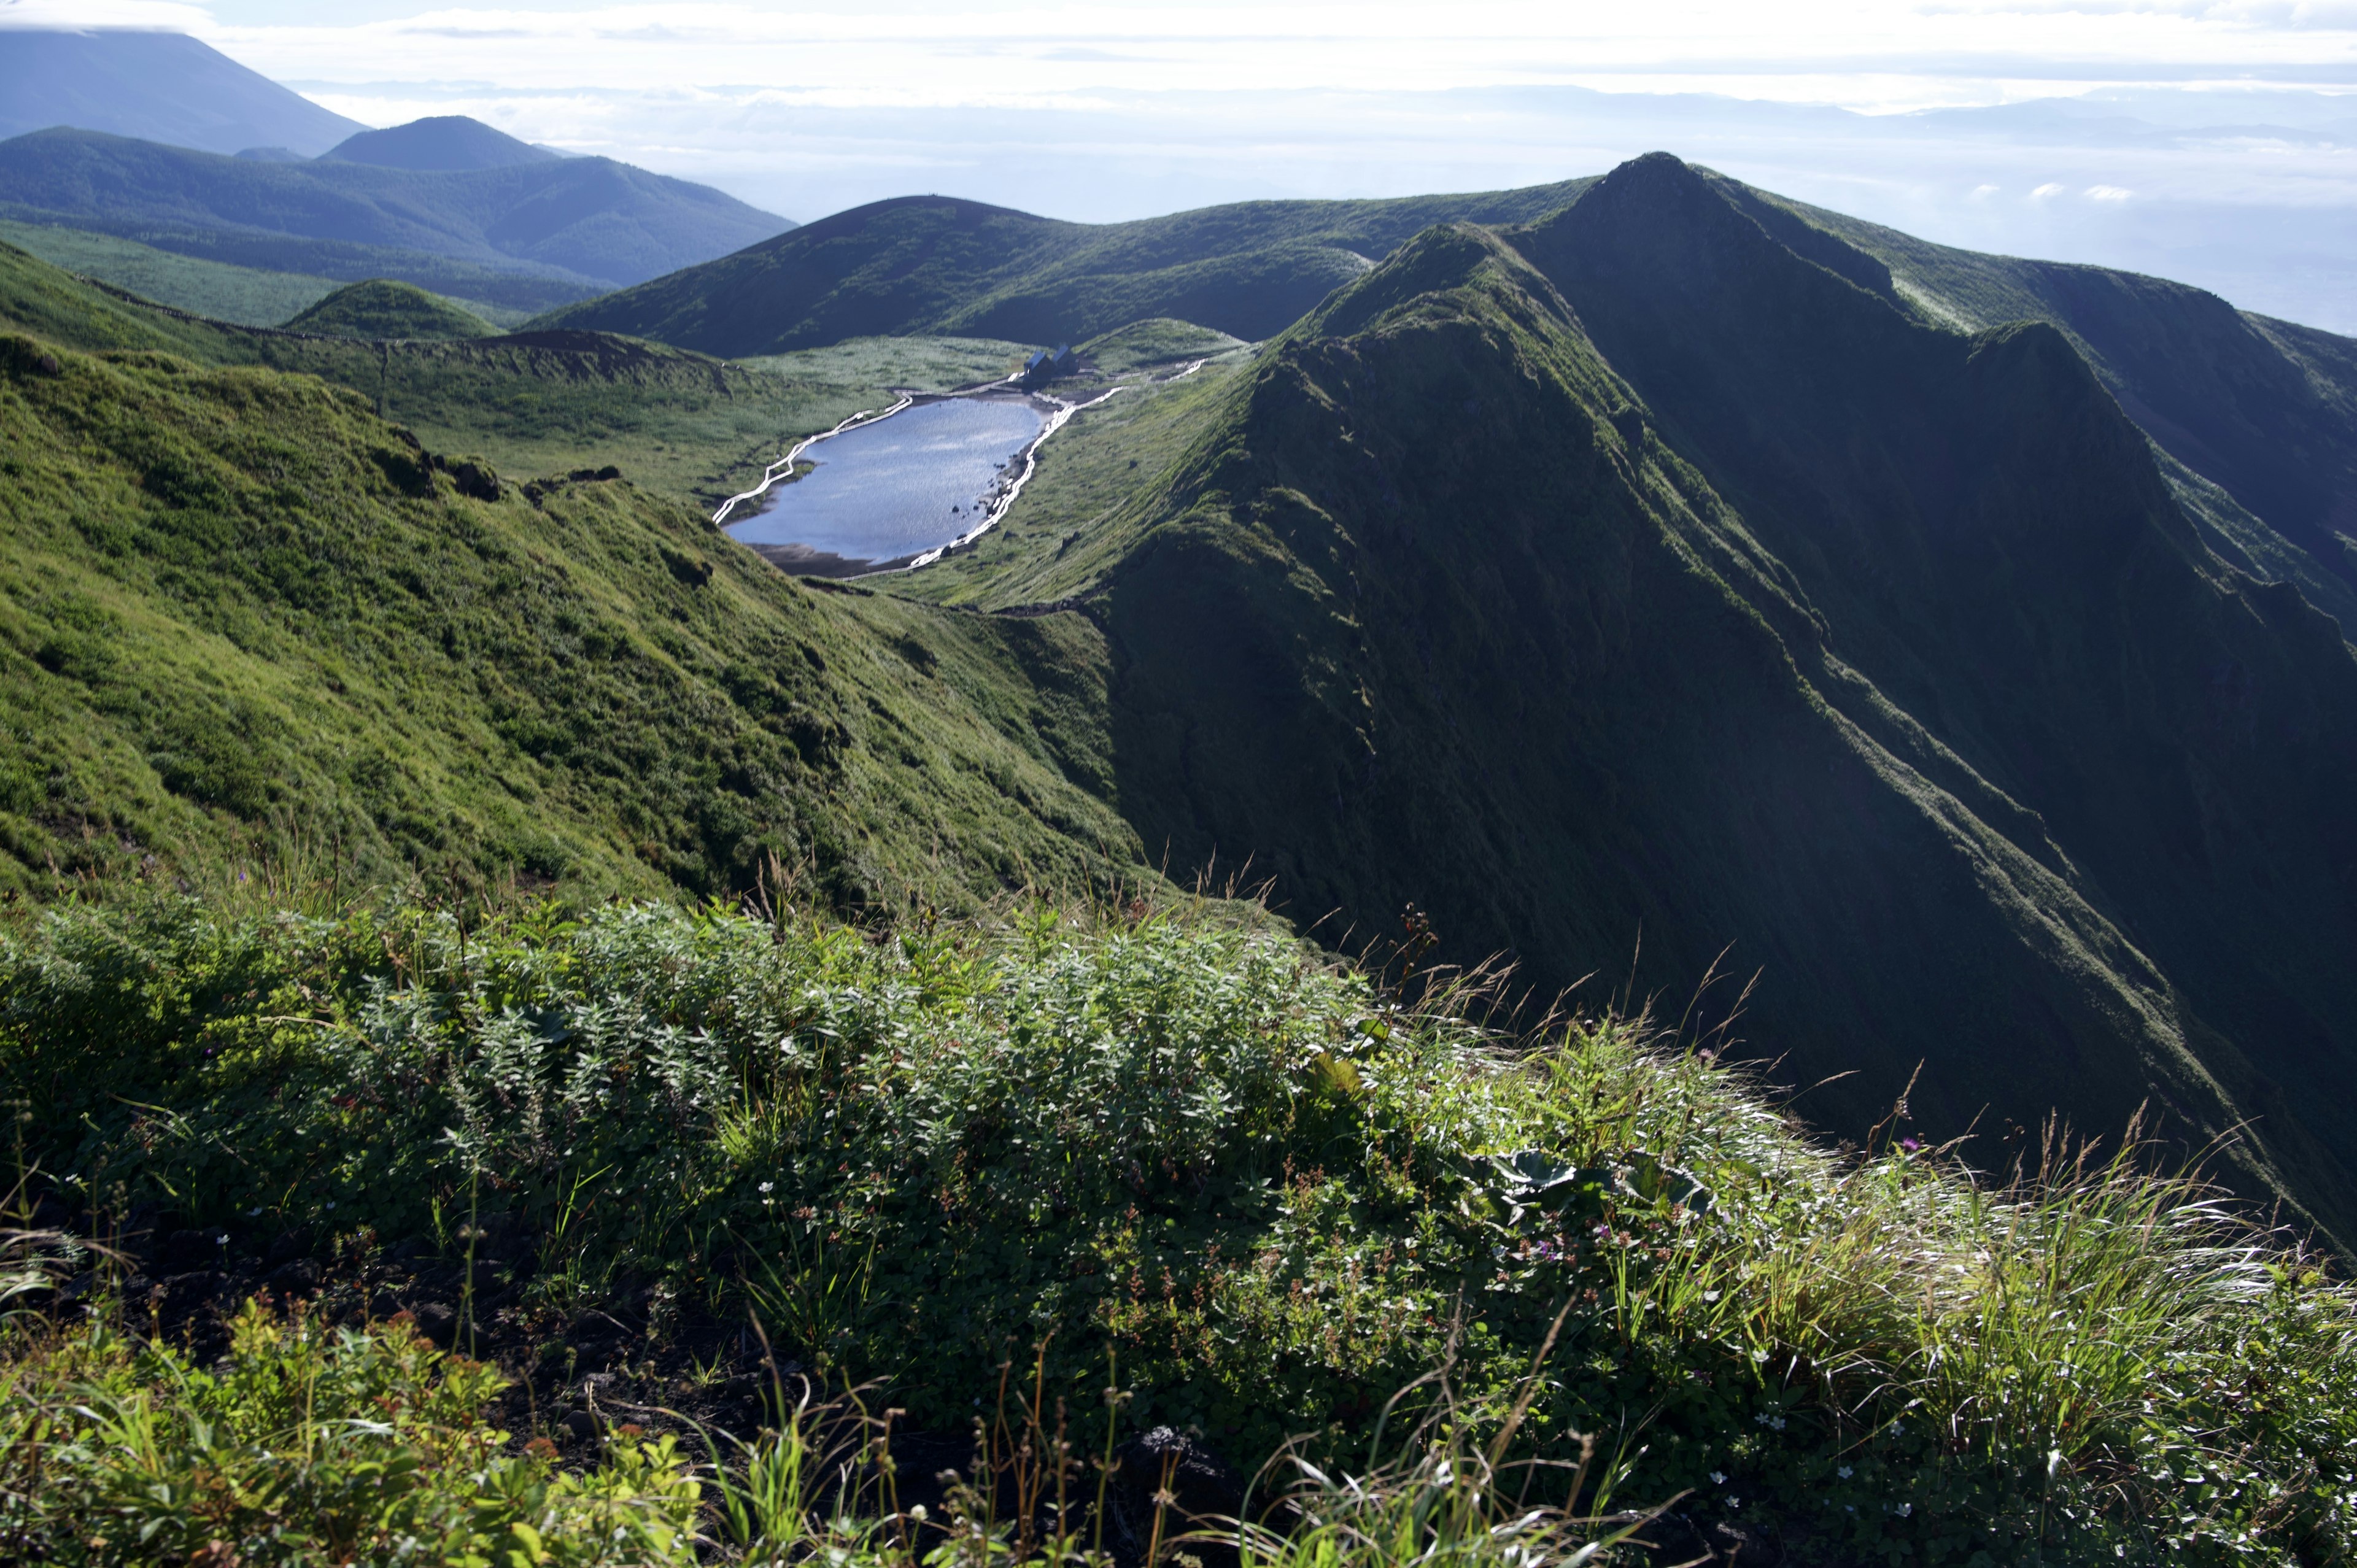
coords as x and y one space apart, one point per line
159 86
587 224
440 142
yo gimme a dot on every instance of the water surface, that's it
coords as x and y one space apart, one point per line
899 486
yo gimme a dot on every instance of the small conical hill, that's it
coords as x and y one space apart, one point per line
383 309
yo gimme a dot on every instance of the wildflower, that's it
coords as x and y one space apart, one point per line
222 1239
768 1186
1909 1145
1905 1509
1843 1472
1718 1478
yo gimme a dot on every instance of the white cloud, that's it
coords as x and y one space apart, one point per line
1882 56
162 16
1118 108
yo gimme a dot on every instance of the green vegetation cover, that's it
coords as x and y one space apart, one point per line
1259 1194
1600 590
548 402
241 610
934 263
1677 596
382 308
245 295
2263 410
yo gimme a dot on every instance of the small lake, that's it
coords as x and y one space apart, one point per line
899 486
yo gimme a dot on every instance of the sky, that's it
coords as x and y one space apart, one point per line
2209 140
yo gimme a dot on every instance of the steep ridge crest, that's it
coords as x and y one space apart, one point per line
1449 611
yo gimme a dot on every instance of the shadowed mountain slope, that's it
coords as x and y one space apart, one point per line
161 87
2265 409
936 264
1648 577
582 223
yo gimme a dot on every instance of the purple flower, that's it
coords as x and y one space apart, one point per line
1909 1145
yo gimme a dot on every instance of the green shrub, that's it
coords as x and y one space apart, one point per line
307 1444
1274 1193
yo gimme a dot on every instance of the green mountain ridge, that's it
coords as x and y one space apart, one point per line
2265 409
1635 577
936 263
1660 571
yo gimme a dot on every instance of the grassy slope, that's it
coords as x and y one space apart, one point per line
1272 1192
241 612
1988 542
2265 409
246 295
572 219
916 364
382 308
532 404
1403 606
938 265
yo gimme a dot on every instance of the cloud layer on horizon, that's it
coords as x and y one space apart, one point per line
2214 140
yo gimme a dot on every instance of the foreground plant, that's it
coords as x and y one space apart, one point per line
307 1444
1277 1191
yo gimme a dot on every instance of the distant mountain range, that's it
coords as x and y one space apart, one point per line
1627 566
158 87
936 264
2256 413
440 142
1674 573
454 206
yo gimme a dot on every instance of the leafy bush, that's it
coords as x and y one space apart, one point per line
307 1444
1274 1194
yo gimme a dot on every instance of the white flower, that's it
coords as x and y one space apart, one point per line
222 1239
254 1213
1734 1502
332 1206
1905 1508
1718 1478
767 1186
1843 1472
